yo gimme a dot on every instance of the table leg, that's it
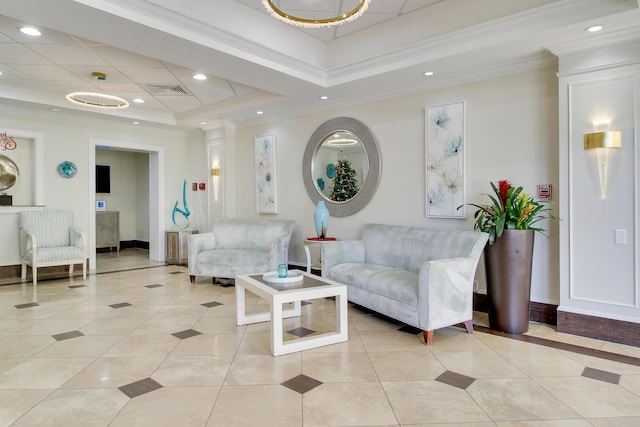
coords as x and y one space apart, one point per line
277 343
241 318
342 324
306 251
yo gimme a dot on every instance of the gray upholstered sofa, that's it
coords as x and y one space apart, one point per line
239 246
421 277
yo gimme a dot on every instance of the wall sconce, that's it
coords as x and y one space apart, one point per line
215 173
602 142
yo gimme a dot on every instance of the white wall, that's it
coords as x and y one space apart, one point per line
142 197
599 90
22 190
512 133
67 138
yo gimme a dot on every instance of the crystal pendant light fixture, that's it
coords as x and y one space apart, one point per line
97 99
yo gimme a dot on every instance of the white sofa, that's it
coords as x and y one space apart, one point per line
239 246
421 277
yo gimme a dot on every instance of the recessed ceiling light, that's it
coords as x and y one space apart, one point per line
428 73
0 73
594 28
200 76
323 97
136 123
203 122
55 110
259 112
139 100
30 31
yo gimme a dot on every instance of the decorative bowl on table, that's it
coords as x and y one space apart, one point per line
293 276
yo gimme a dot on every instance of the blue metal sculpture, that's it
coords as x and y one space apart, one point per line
185 213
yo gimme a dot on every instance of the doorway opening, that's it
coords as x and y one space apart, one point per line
151 213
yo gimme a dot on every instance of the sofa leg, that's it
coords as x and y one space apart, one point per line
428 337
469 325
192 279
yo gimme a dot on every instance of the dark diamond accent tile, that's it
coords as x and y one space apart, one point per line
211 304
156 285
68 335
138 388
76 286
176 272
597 374
120 305
456 380
410 330
27 305
304 303
301 383
300 332
187 333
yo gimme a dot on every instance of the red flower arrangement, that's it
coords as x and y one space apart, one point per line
510 209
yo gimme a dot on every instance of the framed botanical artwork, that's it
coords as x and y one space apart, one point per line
265 164
445 160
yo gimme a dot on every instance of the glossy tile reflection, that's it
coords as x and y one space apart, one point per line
146 347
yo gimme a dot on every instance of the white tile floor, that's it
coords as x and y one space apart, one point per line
104 354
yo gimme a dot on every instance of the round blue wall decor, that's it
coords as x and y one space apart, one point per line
67 169
331 170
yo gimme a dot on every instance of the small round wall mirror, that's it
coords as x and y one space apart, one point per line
341 165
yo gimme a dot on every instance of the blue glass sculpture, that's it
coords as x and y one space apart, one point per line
184 212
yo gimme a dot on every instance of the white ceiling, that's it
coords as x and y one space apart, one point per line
150 48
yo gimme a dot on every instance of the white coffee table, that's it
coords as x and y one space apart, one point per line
311 287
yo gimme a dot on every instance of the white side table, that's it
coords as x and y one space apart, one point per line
315 242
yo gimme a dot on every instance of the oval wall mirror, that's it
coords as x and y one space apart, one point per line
341 165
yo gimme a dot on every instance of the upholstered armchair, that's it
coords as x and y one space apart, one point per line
49 238
239 246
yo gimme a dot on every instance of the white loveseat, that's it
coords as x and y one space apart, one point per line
239 246
421 277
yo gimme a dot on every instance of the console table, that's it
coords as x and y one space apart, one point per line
176 246
108 229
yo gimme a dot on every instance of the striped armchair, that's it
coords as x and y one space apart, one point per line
49 238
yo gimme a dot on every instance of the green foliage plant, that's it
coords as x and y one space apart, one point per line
510 209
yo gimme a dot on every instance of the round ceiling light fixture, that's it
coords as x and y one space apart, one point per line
298 21
97 99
